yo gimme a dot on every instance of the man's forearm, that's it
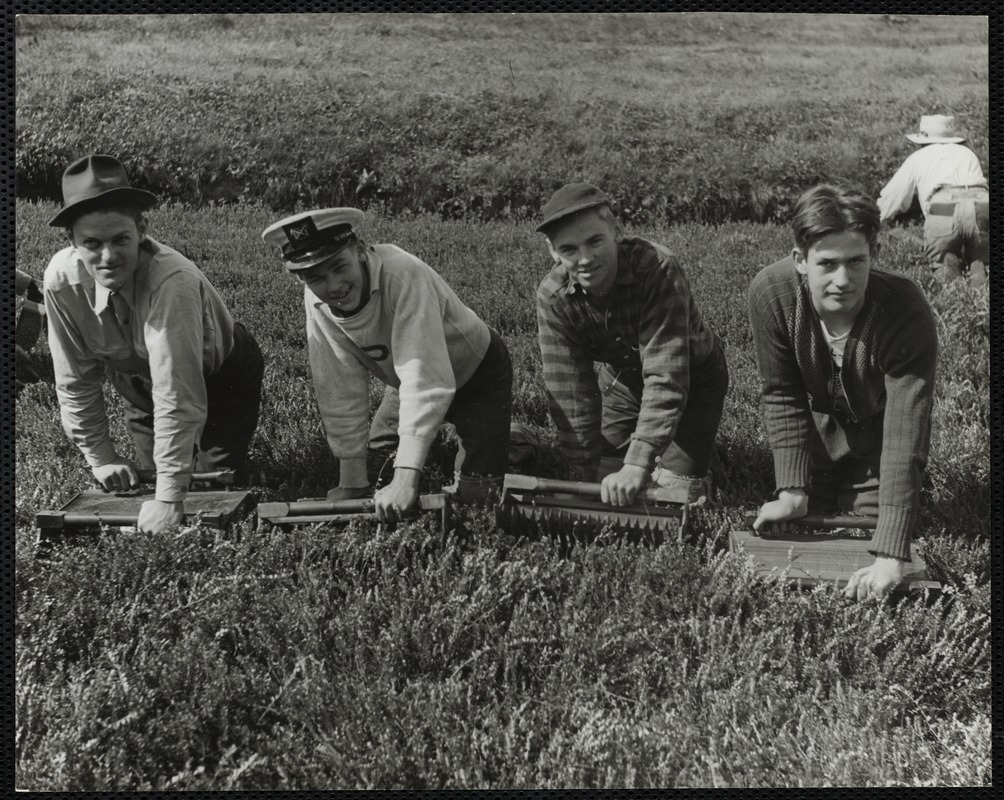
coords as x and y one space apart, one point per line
86 424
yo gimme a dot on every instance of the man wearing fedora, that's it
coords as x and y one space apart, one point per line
189 376
948 181
652 410
379 310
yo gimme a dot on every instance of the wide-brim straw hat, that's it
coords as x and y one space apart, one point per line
936 129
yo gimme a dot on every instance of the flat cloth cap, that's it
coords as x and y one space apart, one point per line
310 237
570 199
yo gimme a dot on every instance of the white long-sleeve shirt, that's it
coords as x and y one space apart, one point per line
923 172
414 333
179 331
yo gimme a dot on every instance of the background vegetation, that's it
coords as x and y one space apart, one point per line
702 117
408 658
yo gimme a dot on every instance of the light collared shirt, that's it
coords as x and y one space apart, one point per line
178 332
924 172
414 333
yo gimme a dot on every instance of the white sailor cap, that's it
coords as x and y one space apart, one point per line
310 237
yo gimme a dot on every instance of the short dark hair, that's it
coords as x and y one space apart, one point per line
827 209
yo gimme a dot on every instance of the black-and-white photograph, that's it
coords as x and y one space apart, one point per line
501 401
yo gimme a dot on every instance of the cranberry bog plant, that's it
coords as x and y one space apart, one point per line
415 658
375 658
681 117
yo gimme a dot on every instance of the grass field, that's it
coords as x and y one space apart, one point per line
409 659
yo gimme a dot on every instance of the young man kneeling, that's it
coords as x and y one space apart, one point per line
188 374
376 309
652 411
847 356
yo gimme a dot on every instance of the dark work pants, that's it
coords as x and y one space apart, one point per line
845 465
481 412
234 395
689 454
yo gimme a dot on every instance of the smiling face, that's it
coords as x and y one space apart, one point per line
339 281
107 243
836 268
586 246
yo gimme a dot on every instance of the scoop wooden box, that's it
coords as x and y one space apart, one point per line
811 558
90 510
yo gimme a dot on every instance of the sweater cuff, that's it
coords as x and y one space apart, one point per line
791 468
892 534
641 454
172 488
412 452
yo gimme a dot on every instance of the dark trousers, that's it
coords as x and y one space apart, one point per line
234 395
845 465
689 454
481 412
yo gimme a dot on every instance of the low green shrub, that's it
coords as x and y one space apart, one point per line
402 659
483 157
274 121
375 658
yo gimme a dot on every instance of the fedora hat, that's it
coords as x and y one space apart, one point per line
95 182
936 129
310 237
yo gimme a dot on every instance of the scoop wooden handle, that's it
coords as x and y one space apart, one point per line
821 521
224 477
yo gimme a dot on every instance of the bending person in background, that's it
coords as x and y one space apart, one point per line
948 181
188 375
378 310
653 410
847 356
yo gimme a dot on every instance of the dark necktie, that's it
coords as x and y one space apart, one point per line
120 308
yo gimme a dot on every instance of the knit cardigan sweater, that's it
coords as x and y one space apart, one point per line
888 378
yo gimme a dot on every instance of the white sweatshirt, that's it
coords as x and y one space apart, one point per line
414 333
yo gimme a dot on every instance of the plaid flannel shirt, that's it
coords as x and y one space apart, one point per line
648 330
